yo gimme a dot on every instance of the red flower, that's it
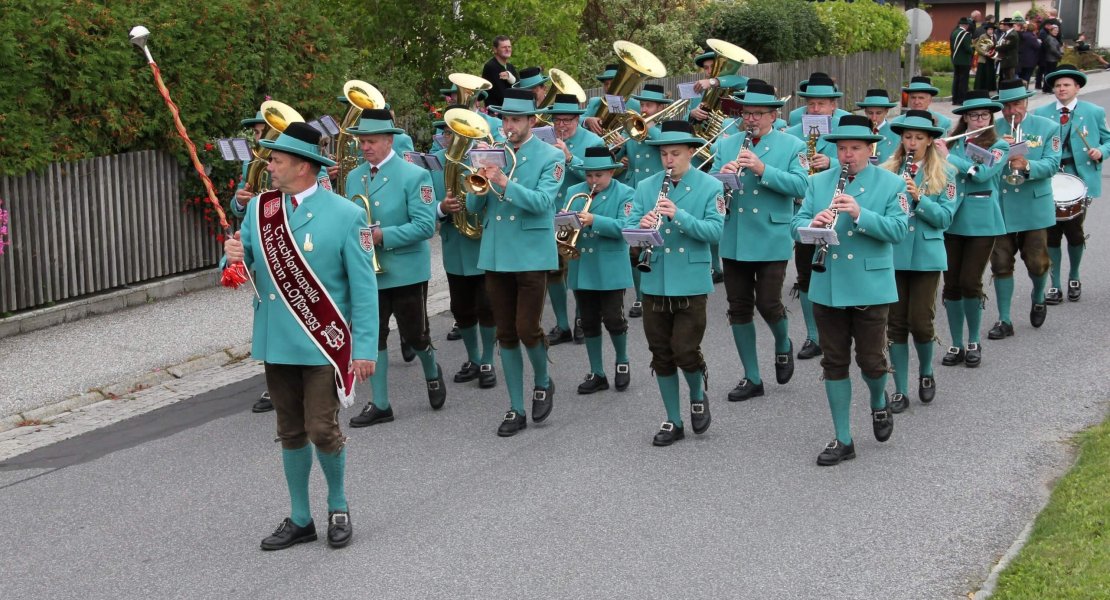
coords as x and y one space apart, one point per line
208 147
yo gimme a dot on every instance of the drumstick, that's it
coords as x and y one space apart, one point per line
1083 137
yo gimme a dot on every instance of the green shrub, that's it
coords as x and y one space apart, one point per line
862 26
772 30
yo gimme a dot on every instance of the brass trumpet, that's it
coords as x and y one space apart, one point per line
567 239
636 126
364 199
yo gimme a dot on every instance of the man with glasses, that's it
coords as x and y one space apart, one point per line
772 171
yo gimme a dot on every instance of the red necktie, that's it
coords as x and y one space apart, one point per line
1064 115
851 178
373 172
295 202
755 141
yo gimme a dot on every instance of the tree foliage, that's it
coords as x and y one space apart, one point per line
772 30
862 26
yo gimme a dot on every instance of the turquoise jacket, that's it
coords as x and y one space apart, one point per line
979 213
583 138
460 253
339 262
942 121
1091 120
859 271
889 144
518 232
680 267
795 117
603 264
402 200
823 146
643 159
1030 205
757 224
923 247
239 211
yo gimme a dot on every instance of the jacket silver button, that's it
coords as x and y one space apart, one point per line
911 228
498 217
273 297
667 250
835 256
512 217
850 257
755 210
682 249
850 234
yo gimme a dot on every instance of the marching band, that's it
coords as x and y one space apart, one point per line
875 211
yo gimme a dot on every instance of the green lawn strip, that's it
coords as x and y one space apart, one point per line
1068 552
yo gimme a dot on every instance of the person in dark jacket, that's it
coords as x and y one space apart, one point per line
1053 51
1029 52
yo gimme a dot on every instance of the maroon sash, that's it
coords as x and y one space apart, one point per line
304 296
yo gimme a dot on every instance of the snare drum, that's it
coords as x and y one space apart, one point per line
1070 194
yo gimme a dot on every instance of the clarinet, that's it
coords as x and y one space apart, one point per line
823 246
644 266
906 164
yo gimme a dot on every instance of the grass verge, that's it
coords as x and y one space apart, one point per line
1068 553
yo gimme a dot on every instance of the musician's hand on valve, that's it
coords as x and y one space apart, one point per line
450 204
1009 139
363 369
561 145
699 113
823 218
819 162
1019 162
594 125
666 207
648 220
481 146
233 248
847 205
377 233
624 161
731 167
586 218
333 171
496 176
702 85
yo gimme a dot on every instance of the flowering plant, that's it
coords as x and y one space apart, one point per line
5 235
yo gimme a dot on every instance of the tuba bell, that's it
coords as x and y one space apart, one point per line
278 116
637 64
459 178
469 87
561 83
362 96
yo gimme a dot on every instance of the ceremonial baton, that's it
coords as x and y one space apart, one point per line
234 274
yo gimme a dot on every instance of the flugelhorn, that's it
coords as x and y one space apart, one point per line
567 239
364 200
1014 177
823 246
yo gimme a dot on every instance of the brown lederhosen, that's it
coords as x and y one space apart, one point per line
754 285
1034 252
601 306
517 300
410 305
839 327
916 308
674 327
967 260
307 406
469 301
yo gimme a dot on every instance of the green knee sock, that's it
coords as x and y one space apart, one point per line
900 360
1039 284
428 361
973 312
781 330
487 334
558 294
620 346
333 466
839 392
877 388
470 340
1075 255
924 358
298 464
636 284
955 310
668 388
715 257
744 338
1004 290
1056 255
512 363
537 356
807 316
379 381
593 350
696 381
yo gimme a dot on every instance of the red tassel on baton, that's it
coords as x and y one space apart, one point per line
234 274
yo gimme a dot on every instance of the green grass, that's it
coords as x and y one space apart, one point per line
1068 553
943 82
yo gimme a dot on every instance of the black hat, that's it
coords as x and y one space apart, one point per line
527 72
597 152
301 139
304 132
676 132
924 114
964 21
853 127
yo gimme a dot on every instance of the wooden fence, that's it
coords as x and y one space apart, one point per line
98 224
854 75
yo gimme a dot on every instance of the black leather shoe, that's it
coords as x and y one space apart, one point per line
579 335
339 528
593 383
289 534
784 365
744 390
467 372
1053 296
1075 289
898 402
668 434
974 356
454 334
407 353
718 277
514 422
927 389
835 452
954 356
263 404
623 377
882 422
487 377
1037 315
558 335
699 416
1001 330
542 401
636 311
437 390
809 350
372 415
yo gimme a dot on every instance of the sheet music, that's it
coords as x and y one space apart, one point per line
615 103
545 133
686 90
730 180
330 125
823 123
226 150
490 157
812 235
441 139
242 149
1019 149
980 155
639 238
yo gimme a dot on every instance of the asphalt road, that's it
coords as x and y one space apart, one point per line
174 503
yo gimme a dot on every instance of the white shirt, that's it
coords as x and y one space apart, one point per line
298 198
1070 106
384 160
